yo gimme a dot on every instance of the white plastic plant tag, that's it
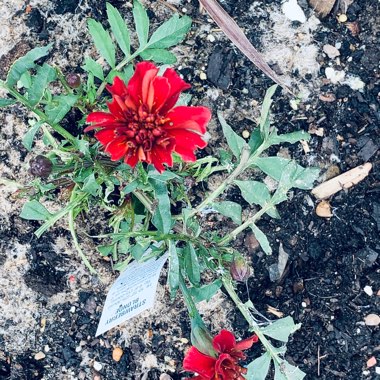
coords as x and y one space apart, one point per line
132 293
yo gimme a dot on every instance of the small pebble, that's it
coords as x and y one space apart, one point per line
377 370
372 320
304 304
331 51
39 356
78 349
245 134
245 91
323 209
203 76
72 309
211 38
371 362
46 348
117 353
184 340
368 290
342 18
97 366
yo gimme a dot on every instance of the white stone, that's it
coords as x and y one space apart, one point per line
368 290
203 76
97 366
211 38
72 309
293 11
335 76
377 370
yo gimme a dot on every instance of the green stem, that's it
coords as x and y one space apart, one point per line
144 199
244 309
62 131
232 235
193 311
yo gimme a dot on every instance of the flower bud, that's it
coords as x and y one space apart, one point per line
40 166
239 269
73 80
201 338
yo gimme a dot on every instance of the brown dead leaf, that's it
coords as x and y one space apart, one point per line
354 28
274 311
232 30
322 7
327 98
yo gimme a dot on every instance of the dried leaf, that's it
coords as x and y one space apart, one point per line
322 7
237 36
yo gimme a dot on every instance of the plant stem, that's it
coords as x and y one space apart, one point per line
232 235
193 311
244 309
144 199
62 131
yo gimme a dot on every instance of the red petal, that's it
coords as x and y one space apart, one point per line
193 118
105 136
161 92
117 107
118 87
186 142
136 82
246 343
117 148
159 156
100 117
195 361
227 367
224 342
132 160
177 85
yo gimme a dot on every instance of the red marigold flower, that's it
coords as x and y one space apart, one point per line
225 366
143 123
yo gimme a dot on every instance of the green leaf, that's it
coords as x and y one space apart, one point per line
262 239
229 209
103 41
159 56
59 107
21 65
90 185
94 68
183 100
105 250
255 140
259 368
286 371
162 218
281 329
291 138
6 102
265 112
205 292
141 22
28 138
302 178
234 141
170 32
119 29
257 193
139 249
173 277
192 265
126 75
45 75
34 210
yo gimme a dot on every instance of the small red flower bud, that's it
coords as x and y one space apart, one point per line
40 166
73 80
239 269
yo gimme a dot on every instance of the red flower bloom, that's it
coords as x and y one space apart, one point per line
225 366
143 123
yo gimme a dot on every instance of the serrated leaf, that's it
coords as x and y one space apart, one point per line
170 32
265 112
291 137
192 265
257 193
28 138
262 239
281 329
6 102
34 210
205 292
45 75
59 107
300 177
162 218
286 371
259 368
25 63
159 56
141 22
234 141
103 41
119 29
93 67
255 140
173 276
229 209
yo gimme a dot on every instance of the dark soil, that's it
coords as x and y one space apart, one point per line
330 260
